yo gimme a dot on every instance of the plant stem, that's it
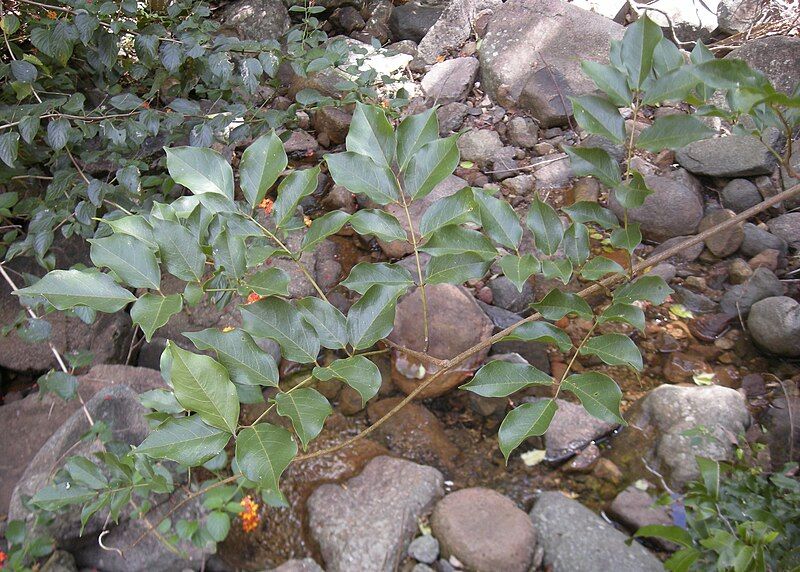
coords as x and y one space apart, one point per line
425 325
574 357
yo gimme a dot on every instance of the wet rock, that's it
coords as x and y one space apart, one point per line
424 549
571 430
607 470
783 430
778 57
451 117
456 323
787 227
523 132
732 156
480 146
774 325
674 209
739 195
757 239
710 327
584 461
724 242
368 524
304 565
399 249
484 530
740 298
577 540
634 508
412 20
29 423
454 27
667 413
505 295
450 80
414 433
689 254
257 20
333 122
563 35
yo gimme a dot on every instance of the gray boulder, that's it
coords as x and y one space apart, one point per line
505 295
577 540
687 18
480 146
258 20
412 20
741 297
783 430
532 52
774 325
787 227
732 156
736 16
634 508
367 524
739 195
778 57
757 240
450 80
454 27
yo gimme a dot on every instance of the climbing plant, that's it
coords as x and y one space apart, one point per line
220 238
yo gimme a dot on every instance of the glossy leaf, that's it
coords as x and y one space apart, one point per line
362 175
229 254
135 226
501 378
546 226
278 320
307 408
456 240
627 238
675 85
595 162
586 211
650 288
557 269
541 332
558 304
66 289
179 249
600 266
673 132
413 133
364 275
498 220
358 372
132 261
371 135
247 364
458 208
576 243
261 165
322 227
291 191
430 165
614 349
527 420
626 313
638 45
200 170
599 117
185 440
519 268
598 394
263 452
379 224
151 311
329 323
610 80
372 317
669 533
269 282
456 268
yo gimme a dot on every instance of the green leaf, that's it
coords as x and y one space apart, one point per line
85 472
372 318
161 400
595 162
60 495
371 135
151 311
379 224
280 321
269 282
675 85
519 268
501 379
527 420
65 289
246 363
599 266
366 274
9 147
628 238
413 133
200 170
322 227
135 226
599 117
228 251
710 473
666 57
727 74
558 304
218 525
586 211
610 80
307 408
202 385
358 372
650 288
56 42
614 349
291 191
431 165
131 260
557 269
498 220
29 127
576 243
598 394
673 132
186 440
57 133
360 174
180 250
683 560
621 312
262 162
546 226
59 382
632 194
674 534
638 45
329 323
458 208
541 332
456 268
454 239
263 452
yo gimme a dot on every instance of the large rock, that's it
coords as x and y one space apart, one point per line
778 57
412 20
484 530
787 227
367 525
532 52
674 209
757 240
659 423
635 508
739 195
783 430
455 324
734 16
732 156
27 424
686 18
454 27
774 324
258 20
725 242
450 80
740 298
577 540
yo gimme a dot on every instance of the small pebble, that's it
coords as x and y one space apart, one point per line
424 549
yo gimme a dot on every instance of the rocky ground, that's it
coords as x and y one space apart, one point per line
429 490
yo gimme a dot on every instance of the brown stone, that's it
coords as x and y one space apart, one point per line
333 122
726 242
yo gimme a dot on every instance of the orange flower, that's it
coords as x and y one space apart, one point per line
52 15
249 516
253 297
3 558
267 205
